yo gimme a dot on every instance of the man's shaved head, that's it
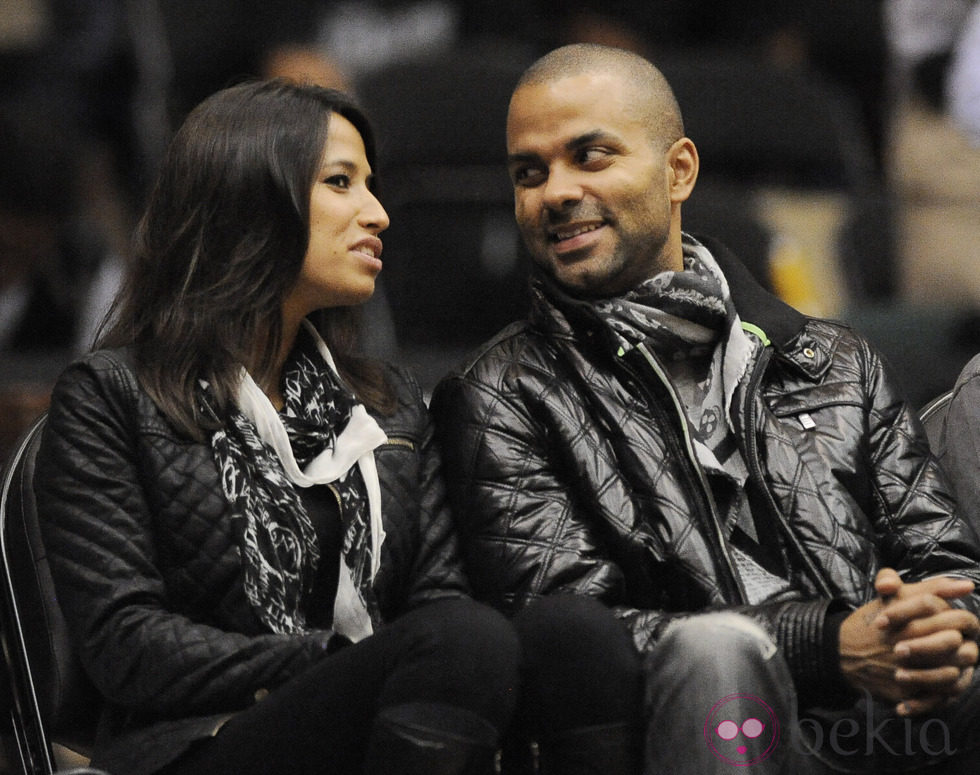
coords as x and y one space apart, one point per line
654 102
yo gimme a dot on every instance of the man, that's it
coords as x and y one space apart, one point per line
744 487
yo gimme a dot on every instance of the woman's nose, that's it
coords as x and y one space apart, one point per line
373 214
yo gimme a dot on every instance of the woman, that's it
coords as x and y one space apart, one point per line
245 520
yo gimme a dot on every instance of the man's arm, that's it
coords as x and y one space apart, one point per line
914 642
523 532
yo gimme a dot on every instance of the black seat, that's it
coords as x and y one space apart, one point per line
52 706
779 130
455 271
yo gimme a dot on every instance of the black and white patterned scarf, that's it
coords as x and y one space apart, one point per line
689 320
322 436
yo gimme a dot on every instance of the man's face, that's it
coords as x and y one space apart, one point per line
592 192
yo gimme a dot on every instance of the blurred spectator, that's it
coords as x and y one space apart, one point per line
127 71
963 83
64 218
45 253
57 236
920 36
841 40
933 166
302 63
215 43
362 35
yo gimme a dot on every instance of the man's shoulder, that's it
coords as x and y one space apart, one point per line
833 331
970 372
507 347
828 335
518 360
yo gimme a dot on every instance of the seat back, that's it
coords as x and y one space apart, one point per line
51 698
455 272
933 417
797 146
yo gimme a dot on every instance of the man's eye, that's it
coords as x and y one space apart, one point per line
589 155
338 181
526 176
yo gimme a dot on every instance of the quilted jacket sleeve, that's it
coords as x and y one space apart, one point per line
435 568
921 533
523 532
98 529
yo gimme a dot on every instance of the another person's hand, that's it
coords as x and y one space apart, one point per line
909 646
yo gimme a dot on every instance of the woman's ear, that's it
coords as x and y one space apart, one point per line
682 165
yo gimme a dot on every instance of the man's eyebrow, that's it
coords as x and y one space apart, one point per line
587 138
515 158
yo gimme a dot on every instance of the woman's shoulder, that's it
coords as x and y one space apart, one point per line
403 382
106 366
108 359
409 408
98 382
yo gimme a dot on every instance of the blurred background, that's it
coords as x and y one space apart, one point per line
840 145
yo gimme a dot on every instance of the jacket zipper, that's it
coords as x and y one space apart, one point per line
755 468
336 494
702 481
397 441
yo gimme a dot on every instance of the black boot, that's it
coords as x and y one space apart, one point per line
413 739
605 749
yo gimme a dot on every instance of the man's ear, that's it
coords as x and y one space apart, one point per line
682 166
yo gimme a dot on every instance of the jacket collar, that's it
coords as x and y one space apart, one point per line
783 326
755 305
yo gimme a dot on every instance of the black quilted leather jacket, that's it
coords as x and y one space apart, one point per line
571 472
148 571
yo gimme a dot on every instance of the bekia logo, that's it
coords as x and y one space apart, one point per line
741 730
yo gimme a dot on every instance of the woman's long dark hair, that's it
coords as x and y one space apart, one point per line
222 242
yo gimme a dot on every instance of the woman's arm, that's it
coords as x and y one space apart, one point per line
99 531
414 488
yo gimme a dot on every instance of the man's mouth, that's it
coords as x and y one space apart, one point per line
567 233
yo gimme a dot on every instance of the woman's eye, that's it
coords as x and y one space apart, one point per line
338 181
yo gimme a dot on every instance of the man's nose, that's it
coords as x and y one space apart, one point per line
562 189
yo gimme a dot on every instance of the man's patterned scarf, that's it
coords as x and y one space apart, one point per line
682 316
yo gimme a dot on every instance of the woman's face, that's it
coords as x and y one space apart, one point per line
344 254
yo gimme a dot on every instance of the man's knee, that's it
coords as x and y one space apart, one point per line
709 656
708 675
711 637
